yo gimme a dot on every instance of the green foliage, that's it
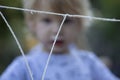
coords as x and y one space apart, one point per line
104 37
15 19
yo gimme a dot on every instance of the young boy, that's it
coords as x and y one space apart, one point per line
67 61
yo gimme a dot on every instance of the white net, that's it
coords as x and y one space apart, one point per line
52 13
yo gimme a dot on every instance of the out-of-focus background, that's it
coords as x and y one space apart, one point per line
103 37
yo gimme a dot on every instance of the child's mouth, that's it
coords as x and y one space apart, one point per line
59 41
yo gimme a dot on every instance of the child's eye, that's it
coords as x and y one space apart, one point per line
47 20
68 21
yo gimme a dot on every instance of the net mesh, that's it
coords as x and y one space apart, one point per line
52 13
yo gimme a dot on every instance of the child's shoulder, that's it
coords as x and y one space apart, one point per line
35 54
83 54
88 56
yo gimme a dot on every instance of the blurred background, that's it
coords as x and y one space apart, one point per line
103 37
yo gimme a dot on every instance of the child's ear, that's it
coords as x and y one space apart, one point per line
80 24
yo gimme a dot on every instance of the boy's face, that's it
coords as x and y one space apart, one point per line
46 28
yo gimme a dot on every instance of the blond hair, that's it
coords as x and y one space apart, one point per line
79 7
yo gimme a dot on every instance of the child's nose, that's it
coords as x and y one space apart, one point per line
56 28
